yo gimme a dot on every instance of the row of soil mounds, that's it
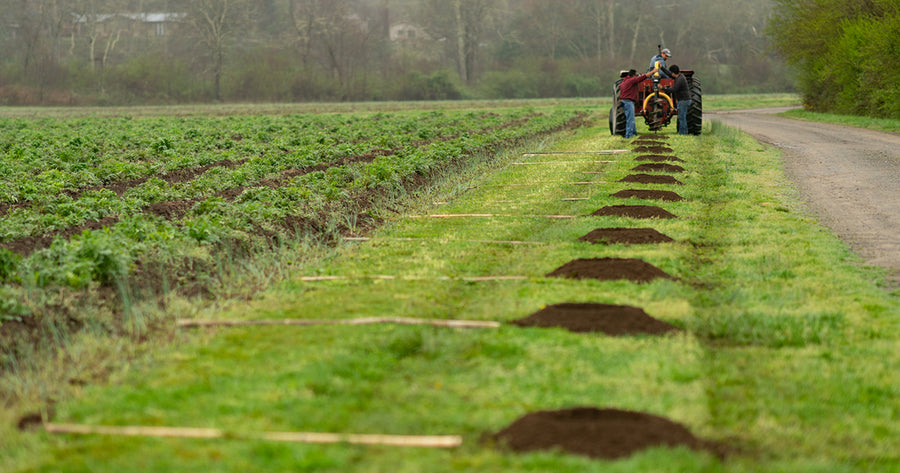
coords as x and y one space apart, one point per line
609 319
606 433
613 320
658 165
652 144
625 268
599 433
631 269
177 209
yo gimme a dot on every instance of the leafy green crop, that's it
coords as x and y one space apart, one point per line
169 186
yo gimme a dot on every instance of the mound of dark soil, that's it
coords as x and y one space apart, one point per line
610 269
598 433
647 194
650 179
658 158
652 149
628 236
658 167
653 136
584 318
633 211
648 142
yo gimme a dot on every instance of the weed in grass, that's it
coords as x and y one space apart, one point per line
405 345
729 137
771 329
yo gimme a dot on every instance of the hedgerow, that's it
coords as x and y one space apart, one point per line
844 51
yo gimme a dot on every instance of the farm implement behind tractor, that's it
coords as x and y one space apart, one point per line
656 106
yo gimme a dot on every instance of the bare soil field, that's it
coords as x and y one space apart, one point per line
850 178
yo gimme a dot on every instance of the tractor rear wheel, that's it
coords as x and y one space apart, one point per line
617 113
617 120
695 112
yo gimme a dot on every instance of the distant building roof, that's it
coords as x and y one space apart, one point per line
142 17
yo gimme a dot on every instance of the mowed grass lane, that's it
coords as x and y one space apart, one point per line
789 353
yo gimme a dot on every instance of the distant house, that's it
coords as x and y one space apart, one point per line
406 31
135 24
156 23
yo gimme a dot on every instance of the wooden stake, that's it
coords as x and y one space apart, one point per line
498 242
186 323
422 441
413 278
532 184
492 216
493 278
559 162
343 278
607 151
460 215
134 431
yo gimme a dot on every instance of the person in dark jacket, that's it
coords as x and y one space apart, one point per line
628 95
682 95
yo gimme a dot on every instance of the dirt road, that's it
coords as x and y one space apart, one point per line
849 177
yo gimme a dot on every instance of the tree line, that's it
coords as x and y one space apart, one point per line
845 52
166 51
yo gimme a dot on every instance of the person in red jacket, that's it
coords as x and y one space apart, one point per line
628 95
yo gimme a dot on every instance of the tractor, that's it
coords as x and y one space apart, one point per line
656 106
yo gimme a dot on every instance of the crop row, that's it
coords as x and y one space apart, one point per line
65 209
43 158
265 191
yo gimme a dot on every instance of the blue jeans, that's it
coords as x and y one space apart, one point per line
630 128
683 107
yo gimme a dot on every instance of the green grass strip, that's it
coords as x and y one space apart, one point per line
891 125
749 101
